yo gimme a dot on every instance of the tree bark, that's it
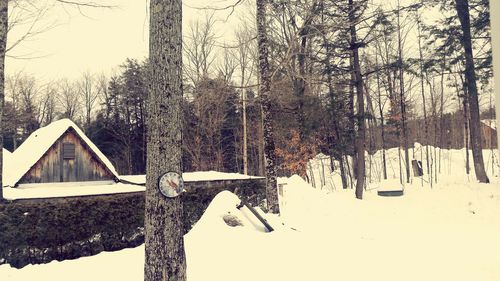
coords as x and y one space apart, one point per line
462 7
358 83
164 230
267 109
3 43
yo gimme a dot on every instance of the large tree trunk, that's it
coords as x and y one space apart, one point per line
3 42
267 109
358 83
164 230
462 7
495 29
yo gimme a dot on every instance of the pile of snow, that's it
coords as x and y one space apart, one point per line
37 144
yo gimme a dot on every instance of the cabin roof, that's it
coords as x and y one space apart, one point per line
492 123
38 143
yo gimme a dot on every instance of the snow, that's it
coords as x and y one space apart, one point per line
448 232
31 150
450 165
7 155
72 190
194 177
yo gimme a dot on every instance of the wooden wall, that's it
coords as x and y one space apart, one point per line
53 168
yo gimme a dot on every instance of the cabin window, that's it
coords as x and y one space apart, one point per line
68 150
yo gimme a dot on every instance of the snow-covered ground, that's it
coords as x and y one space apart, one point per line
449 232
449 164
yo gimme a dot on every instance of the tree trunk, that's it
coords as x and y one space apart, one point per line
245 141
382 125
462 7
299 84
441 113
465 118
358 83
335 121
164 230
402 99
267 109
352 114
422 89
3 42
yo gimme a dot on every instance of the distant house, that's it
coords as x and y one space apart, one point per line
58 153
489 133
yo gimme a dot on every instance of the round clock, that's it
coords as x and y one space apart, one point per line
171 184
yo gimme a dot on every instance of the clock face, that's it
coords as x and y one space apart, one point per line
171 184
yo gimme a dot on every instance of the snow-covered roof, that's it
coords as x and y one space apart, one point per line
194 176
37 144
492 123
7 155
48 191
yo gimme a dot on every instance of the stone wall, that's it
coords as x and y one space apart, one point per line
36 231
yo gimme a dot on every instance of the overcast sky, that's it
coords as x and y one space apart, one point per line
97 41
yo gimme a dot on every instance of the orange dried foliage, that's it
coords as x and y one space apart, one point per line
296 153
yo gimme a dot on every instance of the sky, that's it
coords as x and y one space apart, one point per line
95 40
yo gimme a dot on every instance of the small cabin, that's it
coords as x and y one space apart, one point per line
59 153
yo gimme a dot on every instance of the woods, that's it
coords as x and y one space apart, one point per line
345 78
379 90
348 61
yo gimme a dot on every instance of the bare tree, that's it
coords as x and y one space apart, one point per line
199 48
423 76
88 96
12 94
228 65
68 100
402 94
244 38
462 7
47 105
